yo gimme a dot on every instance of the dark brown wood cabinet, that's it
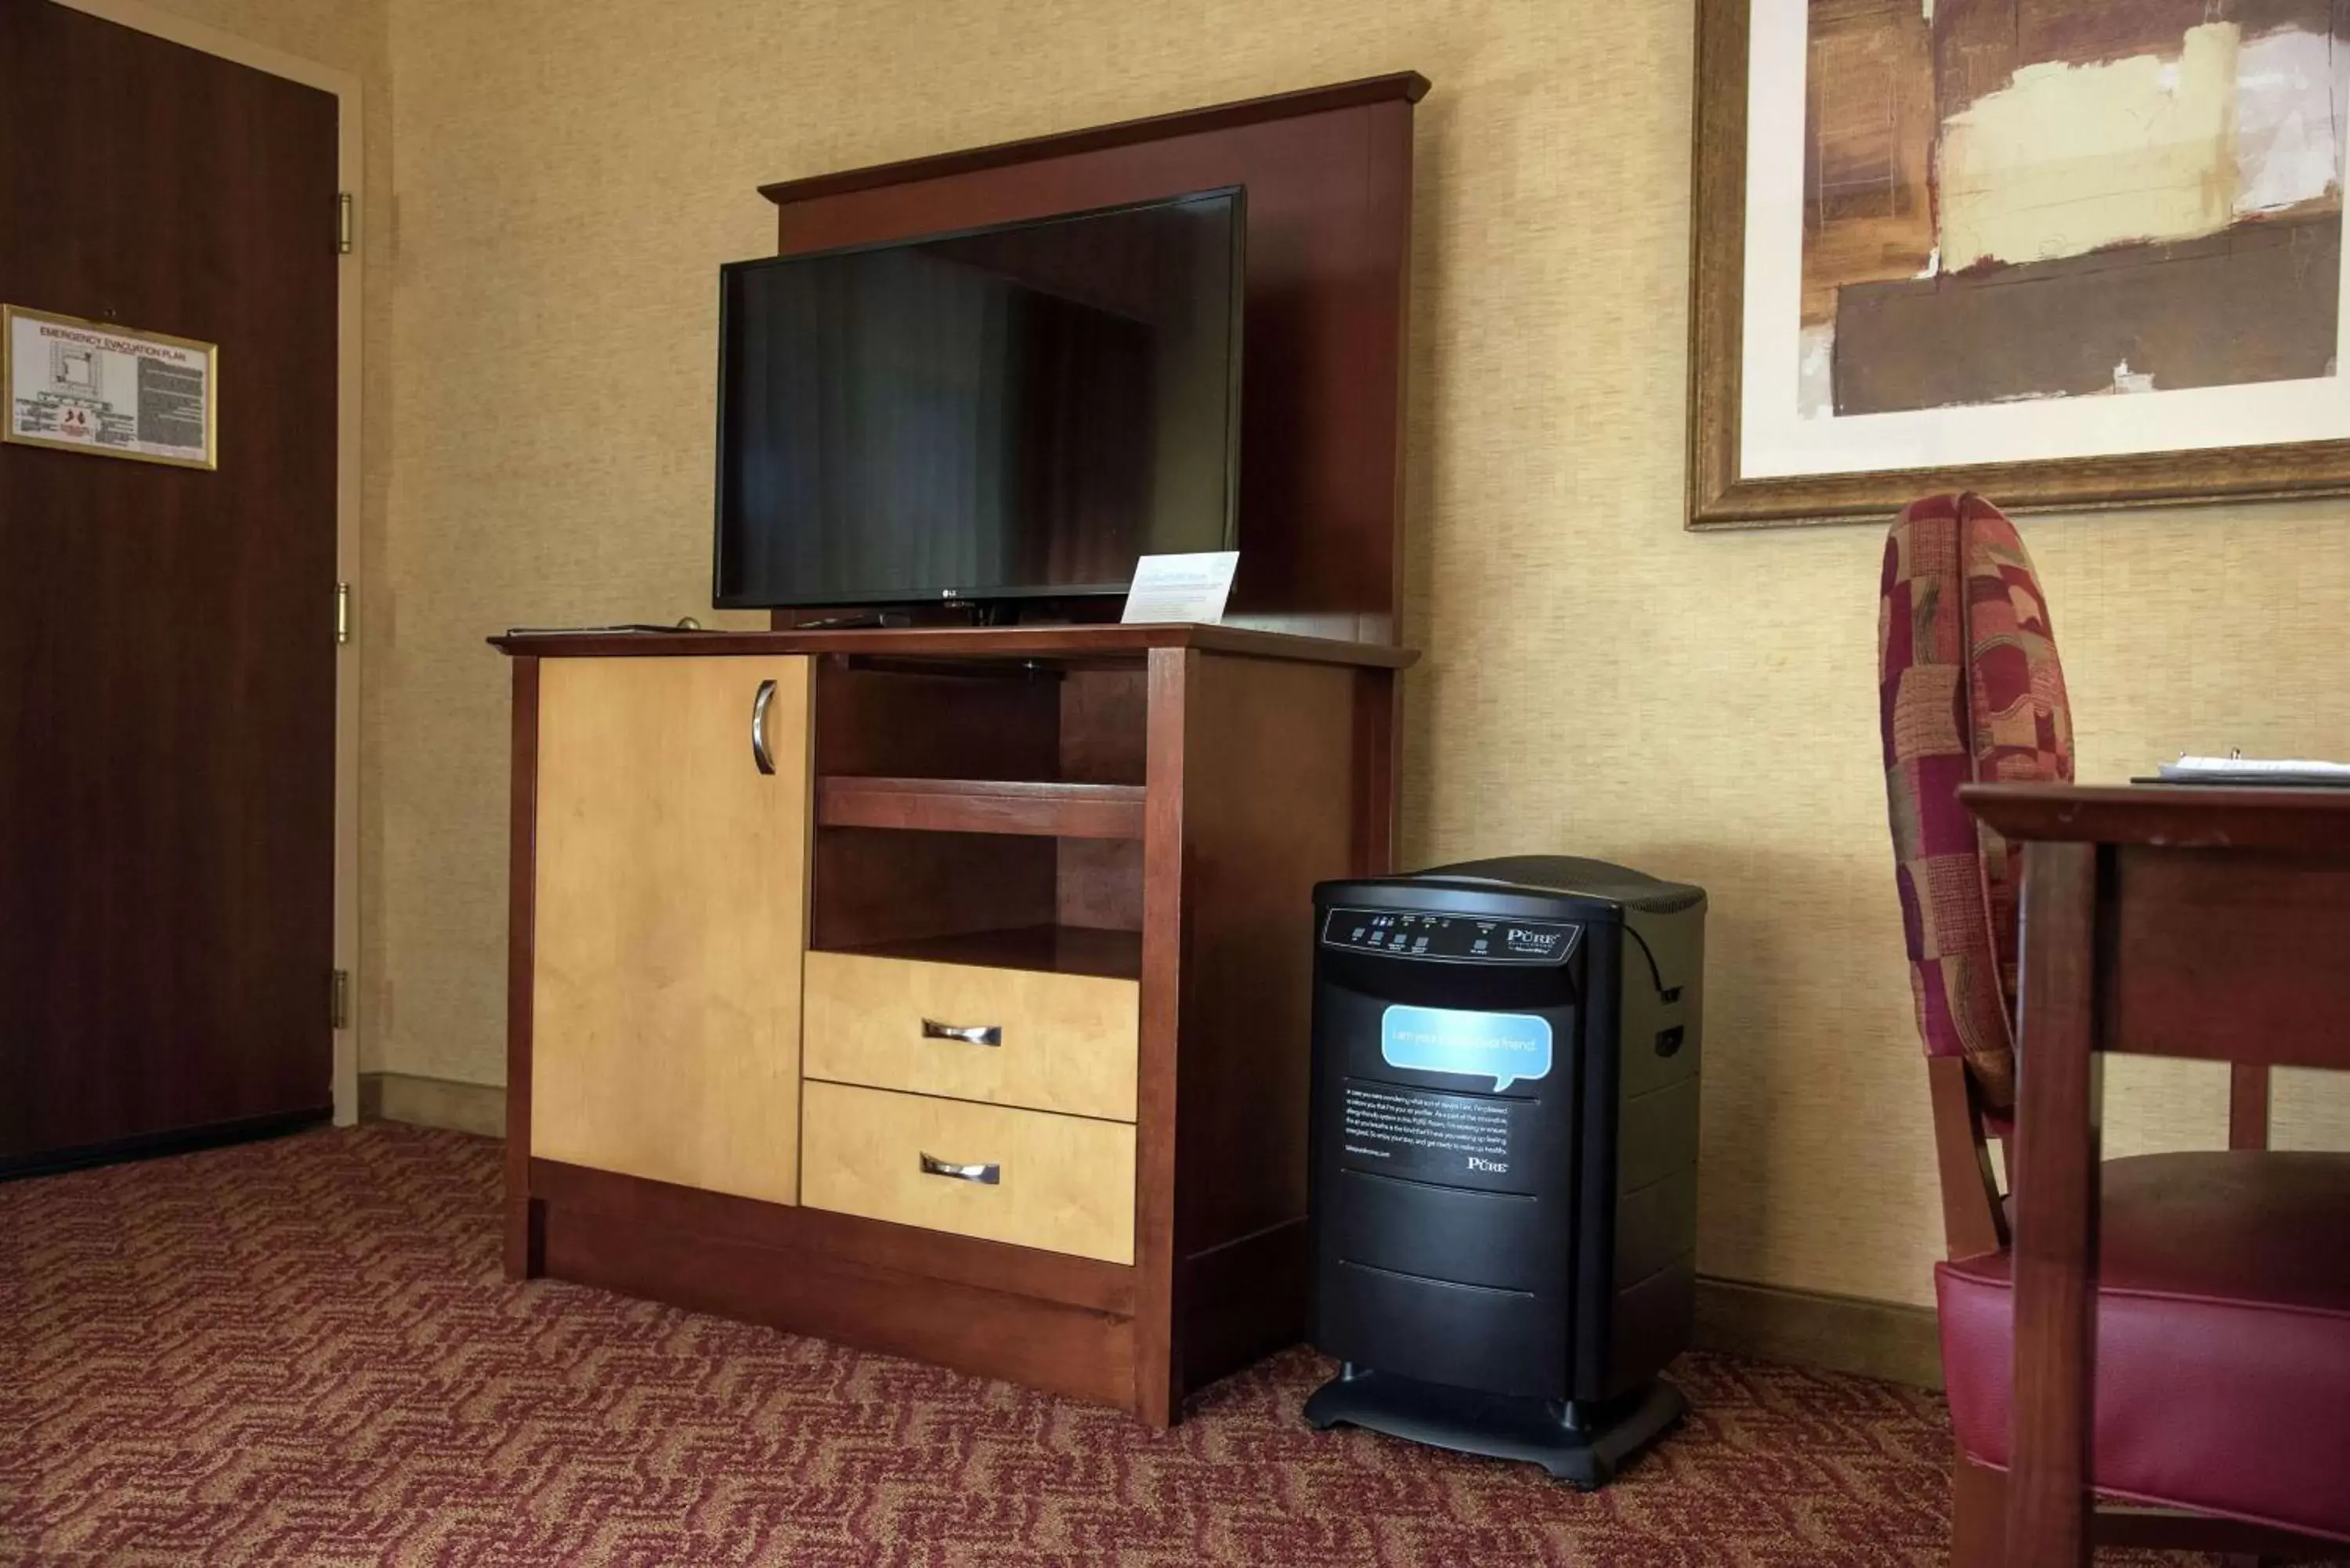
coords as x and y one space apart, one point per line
1004 1064
1328 172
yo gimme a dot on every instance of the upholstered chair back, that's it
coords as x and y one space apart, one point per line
1969 689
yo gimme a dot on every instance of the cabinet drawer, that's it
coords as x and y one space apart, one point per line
1062 1183
1062 1041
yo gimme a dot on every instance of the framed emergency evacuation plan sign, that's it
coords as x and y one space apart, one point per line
113 391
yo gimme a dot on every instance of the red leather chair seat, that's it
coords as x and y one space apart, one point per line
2224 1338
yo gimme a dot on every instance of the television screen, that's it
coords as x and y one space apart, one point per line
1008 412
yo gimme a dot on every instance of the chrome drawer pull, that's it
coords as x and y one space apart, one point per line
969 1034
760 755
987 1175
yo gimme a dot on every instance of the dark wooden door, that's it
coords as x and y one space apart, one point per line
167 658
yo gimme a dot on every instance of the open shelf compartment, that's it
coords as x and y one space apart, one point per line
981 812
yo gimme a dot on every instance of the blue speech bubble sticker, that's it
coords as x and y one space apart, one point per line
1502 1047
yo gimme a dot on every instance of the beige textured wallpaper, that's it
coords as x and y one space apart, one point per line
569 173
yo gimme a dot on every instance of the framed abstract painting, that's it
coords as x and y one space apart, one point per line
2069 253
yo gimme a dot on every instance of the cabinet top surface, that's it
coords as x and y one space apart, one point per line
959 642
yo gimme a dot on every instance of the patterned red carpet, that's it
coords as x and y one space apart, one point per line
303 1352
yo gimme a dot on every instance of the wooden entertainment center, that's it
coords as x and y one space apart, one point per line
1031 905
945 991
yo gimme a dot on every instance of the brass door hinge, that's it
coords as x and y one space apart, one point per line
342 613
338 1002
346 225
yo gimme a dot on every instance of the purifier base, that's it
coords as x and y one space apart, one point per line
1581 1445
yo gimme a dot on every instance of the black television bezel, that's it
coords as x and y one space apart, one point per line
719 599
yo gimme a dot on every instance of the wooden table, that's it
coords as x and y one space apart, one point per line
2163 921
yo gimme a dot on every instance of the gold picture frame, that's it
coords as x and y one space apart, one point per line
1721 493
76 356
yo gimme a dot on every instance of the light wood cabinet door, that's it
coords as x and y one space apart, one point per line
672 914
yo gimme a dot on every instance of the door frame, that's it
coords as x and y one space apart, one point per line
349 283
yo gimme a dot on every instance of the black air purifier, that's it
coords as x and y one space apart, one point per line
1504 1156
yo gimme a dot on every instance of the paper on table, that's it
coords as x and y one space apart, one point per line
1181 587
2188 767
2253 773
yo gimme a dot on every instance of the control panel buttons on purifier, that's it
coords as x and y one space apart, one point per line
1453 939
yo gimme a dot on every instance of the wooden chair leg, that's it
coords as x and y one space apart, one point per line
1978 1513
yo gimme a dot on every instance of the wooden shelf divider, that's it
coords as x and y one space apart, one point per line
1047 809
1054 949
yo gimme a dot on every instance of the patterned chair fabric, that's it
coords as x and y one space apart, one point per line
1969 689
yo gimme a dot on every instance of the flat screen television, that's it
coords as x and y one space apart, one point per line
1012 412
